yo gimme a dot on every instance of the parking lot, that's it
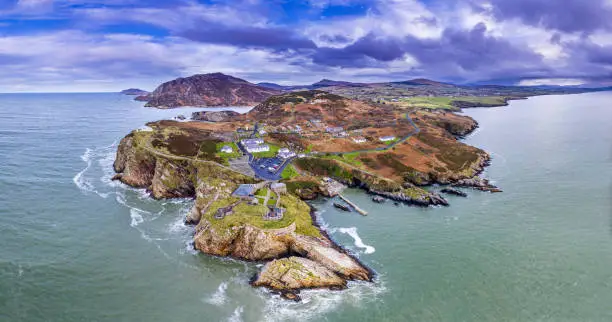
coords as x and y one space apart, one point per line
267 168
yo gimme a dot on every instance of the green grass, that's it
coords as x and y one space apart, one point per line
289 172
227 156
262 192
268 154
445 102
350 158
296 211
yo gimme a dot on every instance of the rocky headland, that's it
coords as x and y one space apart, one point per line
214 89
186 160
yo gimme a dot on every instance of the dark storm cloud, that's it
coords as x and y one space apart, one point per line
272 38
563 15
456 51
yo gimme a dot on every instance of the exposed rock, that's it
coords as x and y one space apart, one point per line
134 91
219 116
325 252
477 183
208 90
241 242
295 273
455 192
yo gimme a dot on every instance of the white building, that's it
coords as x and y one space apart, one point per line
359 140
255 148
387 138
227 149
334 129
252 141
285 153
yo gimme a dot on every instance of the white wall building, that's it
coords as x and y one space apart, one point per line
252 141
359 140
285 153
255 148
387 138
227 149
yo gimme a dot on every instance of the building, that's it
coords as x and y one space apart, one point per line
278 187
227 149
255 148
331 129
342 134
359 140
246 191
254 141
275 214
285 153
387 138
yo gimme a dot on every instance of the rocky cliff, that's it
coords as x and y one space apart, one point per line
208 90
314 262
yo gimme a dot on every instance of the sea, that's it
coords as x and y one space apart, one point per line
75 246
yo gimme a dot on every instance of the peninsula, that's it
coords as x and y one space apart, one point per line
249 174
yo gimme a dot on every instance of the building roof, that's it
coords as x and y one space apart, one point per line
244 190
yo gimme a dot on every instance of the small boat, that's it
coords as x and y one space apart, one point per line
378 199
341 206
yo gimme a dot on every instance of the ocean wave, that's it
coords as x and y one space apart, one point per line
352 231
316 303
237 315
220 296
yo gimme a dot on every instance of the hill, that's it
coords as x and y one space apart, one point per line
134 91
214 89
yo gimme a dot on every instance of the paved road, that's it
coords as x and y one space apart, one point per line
384 148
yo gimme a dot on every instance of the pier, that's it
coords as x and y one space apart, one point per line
359 210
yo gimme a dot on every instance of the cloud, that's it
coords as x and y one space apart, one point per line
146 41
562 15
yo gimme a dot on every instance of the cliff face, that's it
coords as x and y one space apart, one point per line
208 90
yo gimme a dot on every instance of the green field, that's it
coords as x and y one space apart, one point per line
228 156
269 154
296 211
289 172
350 158
445 102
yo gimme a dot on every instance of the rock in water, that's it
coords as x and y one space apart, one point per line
455 192
295 273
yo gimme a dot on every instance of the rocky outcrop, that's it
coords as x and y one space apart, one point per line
477 183
134 91
208 90
220 116
454 192
241 242
295 273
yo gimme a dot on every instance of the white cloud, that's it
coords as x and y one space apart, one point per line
552 81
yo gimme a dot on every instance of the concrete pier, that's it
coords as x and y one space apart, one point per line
359 210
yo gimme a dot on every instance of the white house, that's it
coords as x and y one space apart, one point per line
387 138
285 153
359 140
334 129
252 141
227 149
254 148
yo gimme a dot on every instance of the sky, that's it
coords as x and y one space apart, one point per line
110 45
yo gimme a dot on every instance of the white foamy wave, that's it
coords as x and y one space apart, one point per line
316 303
137 218
220 296
352 231
237 315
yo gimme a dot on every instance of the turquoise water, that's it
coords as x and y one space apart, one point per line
76 247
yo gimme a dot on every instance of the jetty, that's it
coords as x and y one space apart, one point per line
359 210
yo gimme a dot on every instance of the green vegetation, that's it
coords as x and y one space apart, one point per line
450 103
268 154
289 172
350 158
325 167
296 211
227 156
262 192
